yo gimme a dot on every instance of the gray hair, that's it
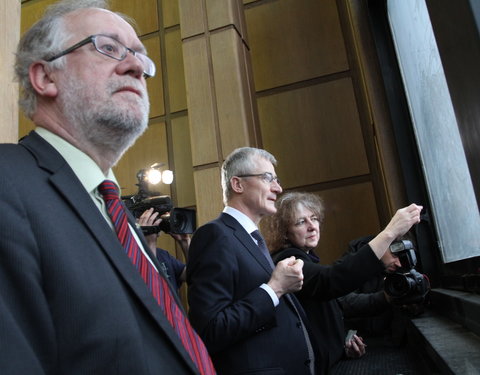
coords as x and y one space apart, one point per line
241 161
44 39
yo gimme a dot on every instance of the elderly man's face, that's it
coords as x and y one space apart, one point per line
103 97
259 196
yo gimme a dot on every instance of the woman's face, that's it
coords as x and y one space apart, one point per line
304 232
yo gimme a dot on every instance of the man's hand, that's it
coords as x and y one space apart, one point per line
147 219
183 239
355 347
287 277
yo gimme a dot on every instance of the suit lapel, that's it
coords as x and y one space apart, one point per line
246 240
68 185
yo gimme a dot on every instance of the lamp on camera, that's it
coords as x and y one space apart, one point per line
149 177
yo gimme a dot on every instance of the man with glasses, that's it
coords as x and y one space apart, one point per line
239 302
80 292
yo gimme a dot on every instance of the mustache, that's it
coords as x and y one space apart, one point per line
114 86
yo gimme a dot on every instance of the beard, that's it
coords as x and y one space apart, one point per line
109 121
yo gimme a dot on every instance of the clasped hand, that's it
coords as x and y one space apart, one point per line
287 277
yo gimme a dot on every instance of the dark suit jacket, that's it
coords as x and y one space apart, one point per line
70 300
243 331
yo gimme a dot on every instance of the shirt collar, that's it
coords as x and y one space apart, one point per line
243 219
84 167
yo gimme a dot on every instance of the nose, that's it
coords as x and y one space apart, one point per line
310 225
275 186
131 65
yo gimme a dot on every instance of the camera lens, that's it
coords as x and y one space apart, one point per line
398 285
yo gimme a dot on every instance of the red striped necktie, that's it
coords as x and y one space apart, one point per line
156 283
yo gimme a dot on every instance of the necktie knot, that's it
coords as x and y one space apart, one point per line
256 234
263 246
108 189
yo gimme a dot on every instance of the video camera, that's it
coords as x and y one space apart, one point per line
174 220
406 286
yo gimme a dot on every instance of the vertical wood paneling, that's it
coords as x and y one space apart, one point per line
182 156
200 102
9 36
232 92
192 17
170 13
350 213
315 133
294 40
207 186
155 84
143 12
175 71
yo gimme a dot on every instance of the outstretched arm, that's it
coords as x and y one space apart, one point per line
400 224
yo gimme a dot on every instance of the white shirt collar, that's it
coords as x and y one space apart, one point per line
243 219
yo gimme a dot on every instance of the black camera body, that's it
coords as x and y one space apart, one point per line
406 286
174 220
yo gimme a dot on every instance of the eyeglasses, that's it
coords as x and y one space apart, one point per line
266 176
111 47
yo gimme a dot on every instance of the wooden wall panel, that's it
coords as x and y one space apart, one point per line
350 213
175 71
192 19
221 13
155 84
207 186
294 40
182 156
314 132
25 125
150 148
32 11
143 12
170 13
200 102
232 91
9 35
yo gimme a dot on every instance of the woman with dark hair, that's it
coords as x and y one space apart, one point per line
295 231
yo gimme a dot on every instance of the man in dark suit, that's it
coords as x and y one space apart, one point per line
238 303
71 300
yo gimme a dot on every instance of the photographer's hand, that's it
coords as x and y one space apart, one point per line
183 240
147 219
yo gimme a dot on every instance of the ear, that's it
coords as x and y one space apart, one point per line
42 79
236 184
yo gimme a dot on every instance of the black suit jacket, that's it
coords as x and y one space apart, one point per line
243 331
71 302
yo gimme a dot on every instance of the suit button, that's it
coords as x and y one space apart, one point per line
307 362
299 324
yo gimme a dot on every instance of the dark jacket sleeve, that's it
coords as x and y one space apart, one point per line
332 281
363 304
